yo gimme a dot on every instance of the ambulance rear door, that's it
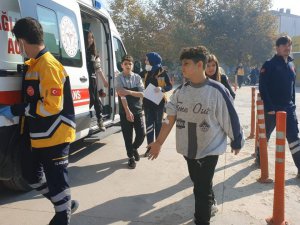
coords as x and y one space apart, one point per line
63 37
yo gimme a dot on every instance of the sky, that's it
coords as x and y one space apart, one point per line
287 4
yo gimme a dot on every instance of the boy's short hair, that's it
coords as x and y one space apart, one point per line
127 58
198 53
283 40
30 30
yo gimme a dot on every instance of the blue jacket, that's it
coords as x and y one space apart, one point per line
277 84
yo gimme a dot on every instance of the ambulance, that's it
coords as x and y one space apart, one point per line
64 23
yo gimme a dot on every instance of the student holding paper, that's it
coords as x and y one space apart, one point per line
158 77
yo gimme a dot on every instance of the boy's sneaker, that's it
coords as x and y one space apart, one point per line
214 209
131 163
101 125
136 155
74 206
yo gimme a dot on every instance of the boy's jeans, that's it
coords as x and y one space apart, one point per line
127 131
202 172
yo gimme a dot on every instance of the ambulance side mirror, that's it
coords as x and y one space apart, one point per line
119 66
137 67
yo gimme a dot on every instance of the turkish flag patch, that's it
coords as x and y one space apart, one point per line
55 91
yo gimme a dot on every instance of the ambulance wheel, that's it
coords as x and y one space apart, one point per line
17 184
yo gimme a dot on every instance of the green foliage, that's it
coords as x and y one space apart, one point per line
239 31
234 30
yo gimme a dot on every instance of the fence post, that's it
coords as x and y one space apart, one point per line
258 98
252 132
263 152
278 205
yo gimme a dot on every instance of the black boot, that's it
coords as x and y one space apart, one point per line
61 218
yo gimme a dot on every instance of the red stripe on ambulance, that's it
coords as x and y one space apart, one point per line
10 97
81 97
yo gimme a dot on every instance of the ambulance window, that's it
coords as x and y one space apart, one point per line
119 52
61 38
69 40
48 20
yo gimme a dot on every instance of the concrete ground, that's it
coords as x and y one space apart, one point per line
159 192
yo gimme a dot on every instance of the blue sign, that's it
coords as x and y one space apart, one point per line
97 4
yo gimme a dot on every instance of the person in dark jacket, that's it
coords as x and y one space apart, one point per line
213 72
254 74
277 89
158 77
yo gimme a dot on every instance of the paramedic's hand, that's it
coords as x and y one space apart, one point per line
6 111
154 150
123 92
235 151
129 116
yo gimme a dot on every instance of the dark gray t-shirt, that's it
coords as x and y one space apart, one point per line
132 82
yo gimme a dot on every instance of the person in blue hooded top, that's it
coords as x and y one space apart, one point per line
158 77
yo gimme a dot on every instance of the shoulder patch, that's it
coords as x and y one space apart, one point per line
55 91
293 69
262 70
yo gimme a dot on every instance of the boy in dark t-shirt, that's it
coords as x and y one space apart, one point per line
129 87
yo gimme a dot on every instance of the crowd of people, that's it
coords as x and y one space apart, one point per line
202 109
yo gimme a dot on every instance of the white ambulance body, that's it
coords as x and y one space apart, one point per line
64 23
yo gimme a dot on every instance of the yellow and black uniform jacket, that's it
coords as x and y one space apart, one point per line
240 71
160 79
48 105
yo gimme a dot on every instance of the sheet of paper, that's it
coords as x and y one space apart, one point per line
152 95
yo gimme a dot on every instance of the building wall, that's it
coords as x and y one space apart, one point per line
287 22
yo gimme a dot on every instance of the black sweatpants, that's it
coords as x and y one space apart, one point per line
292 132
202 172
46 172
94 98
127 131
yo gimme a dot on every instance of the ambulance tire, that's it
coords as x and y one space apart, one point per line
17 184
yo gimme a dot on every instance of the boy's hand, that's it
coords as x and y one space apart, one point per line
123 92
154 150
129 116
105 83
235 151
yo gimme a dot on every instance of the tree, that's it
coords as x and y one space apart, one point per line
235 30
239 31
137 27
